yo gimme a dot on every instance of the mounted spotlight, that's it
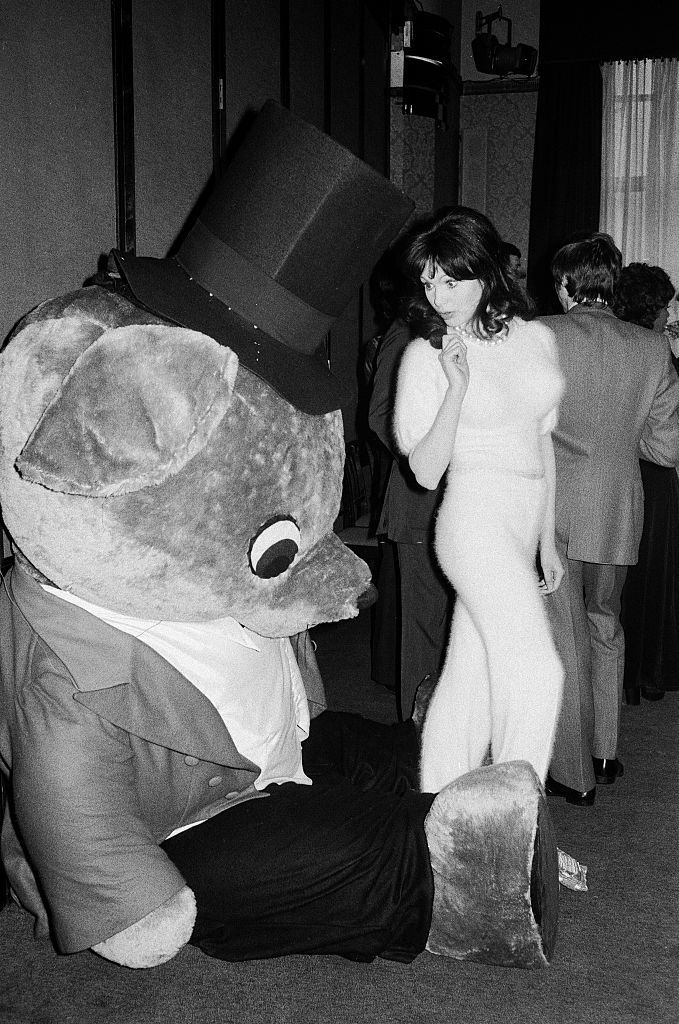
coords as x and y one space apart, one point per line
494 58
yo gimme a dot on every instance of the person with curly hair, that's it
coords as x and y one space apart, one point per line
650 597
477 398
642 296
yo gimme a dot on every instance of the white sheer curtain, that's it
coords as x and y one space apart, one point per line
640 162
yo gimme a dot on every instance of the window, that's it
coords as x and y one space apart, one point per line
640 162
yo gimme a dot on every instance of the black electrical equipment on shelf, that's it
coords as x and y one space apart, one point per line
421 70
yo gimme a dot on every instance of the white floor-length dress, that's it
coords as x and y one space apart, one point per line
500 687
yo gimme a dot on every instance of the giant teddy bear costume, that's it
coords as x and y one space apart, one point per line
171 457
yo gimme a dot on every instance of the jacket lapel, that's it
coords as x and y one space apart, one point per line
126 682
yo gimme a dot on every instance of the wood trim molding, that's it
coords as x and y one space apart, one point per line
123 124
500 85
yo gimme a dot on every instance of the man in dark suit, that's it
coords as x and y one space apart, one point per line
407 521
621 402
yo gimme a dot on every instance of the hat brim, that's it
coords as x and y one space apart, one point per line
164 288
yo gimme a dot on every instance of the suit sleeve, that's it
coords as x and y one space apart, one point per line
660 438
99 867
381 407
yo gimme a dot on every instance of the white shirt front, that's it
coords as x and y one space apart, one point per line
253 682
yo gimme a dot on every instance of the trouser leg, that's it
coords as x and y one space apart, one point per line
384 639
341 866
603 588
571 762
426 602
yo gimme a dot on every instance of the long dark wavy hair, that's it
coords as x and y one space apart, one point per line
466 246
641 293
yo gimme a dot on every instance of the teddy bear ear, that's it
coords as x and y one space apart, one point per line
135 407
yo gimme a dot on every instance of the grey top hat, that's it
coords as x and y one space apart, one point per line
293 226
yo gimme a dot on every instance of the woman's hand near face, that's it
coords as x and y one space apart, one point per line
431 456
453 359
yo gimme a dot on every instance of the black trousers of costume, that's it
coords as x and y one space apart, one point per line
341 866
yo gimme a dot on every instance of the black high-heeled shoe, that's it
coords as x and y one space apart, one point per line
649 694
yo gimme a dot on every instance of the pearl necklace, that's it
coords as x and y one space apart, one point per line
496 339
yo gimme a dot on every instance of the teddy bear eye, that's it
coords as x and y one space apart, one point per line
274 546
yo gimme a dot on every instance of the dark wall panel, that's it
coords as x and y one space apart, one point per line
375 122
306 60
343 75
57 183
173 121
252 59
375 95
344 123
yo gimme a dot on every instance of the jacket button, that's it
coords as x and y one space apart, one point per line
215 780
190 760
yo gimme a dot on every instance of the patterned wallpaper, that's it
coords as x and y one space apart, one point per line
497 134
412 157
497 139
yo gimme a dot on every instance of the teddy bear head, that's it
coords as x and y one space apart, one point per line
144 470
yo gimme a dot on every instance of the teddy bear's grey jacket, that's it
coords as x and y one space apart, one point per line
107 749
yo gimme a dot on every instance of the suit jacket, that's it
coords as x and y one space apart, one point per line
407 509
621 403
107 749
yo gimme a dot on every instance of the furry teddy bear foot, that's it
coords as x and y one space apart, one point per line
494 858
156 938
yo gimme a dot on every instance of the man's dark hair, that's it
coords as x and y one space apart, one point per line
588 267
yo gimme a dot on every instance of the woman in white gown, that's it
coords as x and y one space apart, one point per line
477 398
